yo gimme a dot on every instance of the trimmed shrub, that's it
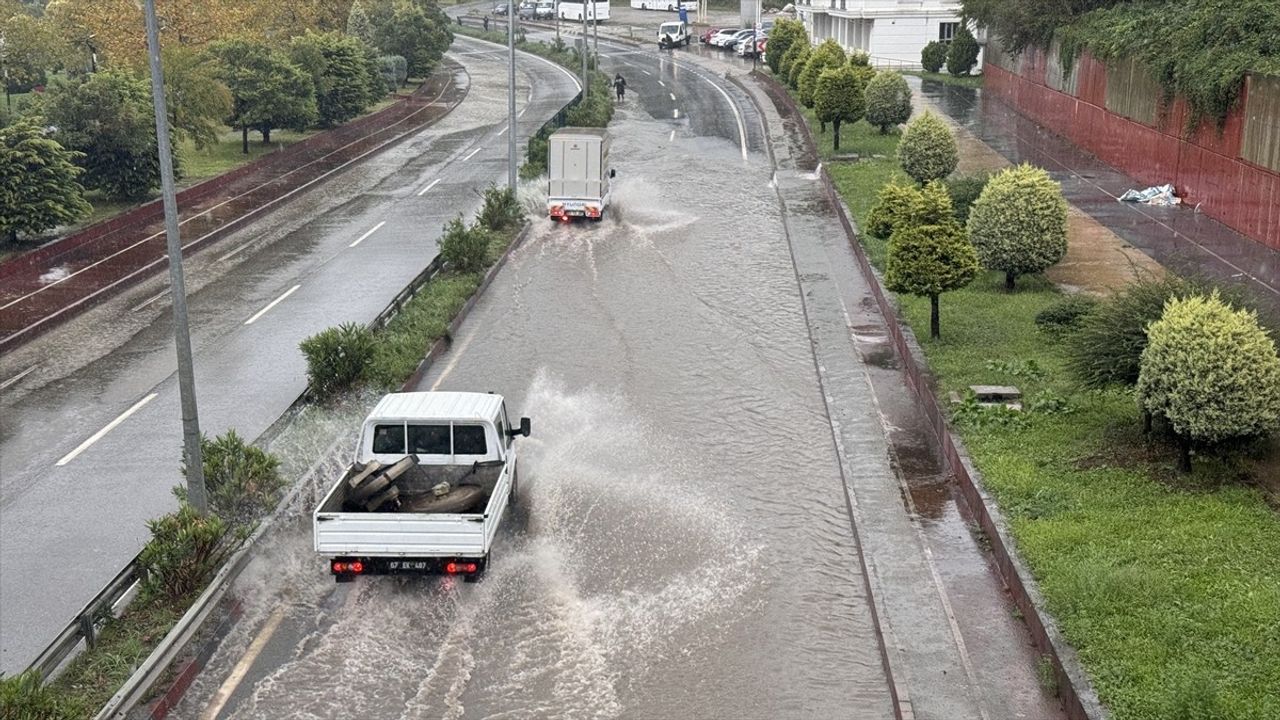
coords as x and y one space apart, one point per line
827 55
933 206
894 205
1019 223
337 357
394 70
963 53
1066 314
464 249
888 100
25 697
839 99
964 191
798 62
243 481
927 150
501 209
928 260
859 58
933 56
785 60
1211 372
184 552
785 34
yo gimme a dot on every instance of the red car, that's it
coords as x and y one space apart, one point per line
706 36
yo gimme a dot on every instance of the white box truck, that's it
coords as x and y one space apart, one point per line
433 475
598 10
578 173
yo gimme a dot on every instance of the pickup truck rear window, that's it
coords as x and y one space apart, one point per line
429 439
469 440
388 439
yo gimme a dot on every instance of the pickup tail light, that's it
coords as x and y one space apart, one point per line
557 211
460 568
355 567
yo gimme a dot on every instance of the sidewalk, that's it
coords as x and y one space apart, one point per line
1177 238
53 283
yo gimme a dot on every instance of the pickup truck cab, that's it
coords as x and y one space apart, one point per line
432 478
671 34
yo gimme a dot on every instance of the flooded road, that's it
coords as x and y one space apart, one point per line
711 522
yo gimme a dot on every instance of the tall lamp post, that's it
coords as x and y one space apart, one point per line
181 332
586 83
511 95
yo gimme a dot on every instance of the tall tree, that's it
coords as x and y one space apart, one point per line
29 49
839 98
198 101
108 117
38 181
419 31
115 28
345 72
268 91
359 24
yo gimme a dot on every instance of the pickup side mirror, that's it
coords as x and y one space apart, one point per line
524 426
613 173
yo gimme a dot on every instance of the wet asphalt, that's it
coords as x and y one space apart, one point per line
728 507
70 520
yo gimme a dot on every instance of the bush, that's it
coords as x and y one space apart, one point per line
337 357
464 249
394 70
798 58
928 260
1019 223
963 53
1211 372
933 56
838 99
894 204
859 58
1066 314
964 190
827 55
888 100
25 697
785 34
184 552
501 209
927 150
243 481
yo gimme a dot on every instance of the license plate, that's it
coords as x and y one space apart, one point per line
407 565
576 213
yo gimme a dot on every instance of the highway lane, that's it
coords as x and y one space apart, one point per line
710 458
89 437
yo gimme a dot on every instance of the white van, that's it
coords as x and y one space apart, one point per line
668 5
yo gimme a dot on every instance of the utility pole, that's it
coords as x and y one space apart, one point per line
586 83
511 95
595 31
181 332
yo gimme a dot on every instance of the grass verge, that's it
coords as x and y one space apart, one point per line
1168 586
969 81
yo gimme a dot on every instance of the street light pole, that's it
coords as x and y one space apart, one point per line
595 30
586 83
181 332
511 95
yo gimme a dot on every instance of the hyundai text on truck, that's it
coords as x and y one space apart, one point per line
578 173
432 477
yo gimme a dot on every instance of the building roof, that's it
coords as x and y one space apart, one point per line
442 405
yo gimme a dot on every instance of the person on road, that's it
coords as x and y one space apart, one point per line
486 24
620 86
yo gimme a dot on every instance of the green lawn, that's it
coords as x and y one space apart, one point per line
970 81
1168 586
202 164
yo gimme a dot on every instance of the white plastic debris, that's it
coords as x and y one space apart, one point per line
1159 195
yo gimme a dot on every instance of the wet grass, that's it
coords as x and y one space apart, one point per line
203 163
969 81
1167 585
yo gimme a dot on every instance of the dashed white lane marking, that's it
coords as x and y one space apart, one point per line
471 154
646 72
521 113
675 113
19 376
237 675
673 136
662 83
273 303
430 185
110 426
371 231
673 96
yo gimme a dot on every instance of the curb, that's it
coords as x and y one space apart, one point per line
1075 691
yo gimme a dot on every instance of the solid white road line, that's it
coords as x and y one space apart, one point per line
273 303
233 253
150 300
110 426
233 680
19 376
372 230
471 154
430 185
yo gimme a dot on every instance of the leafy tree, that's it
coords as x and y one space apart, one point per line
38 185
895 204
197 100
29 49
933 56
1211 372
184 552
115 30
785 33
794 62
859 58
394 70
109 118
928 260
345 73
827 55
838 99
243 481
963 53
1020 23
417 30
267 90
888 100
964 190
359 25
927 150
1019 223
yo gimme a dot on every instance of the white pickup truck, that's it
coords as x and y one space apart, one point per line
432 477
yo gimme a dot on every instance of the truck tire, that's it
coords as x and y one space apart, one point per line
368 489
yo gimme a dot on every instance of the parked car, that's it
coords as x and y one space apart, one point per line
500 9
747 48
545 10
732 42
527 9
722 35
706 35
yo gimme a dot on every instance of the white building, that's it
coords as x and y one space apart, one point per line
892 32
